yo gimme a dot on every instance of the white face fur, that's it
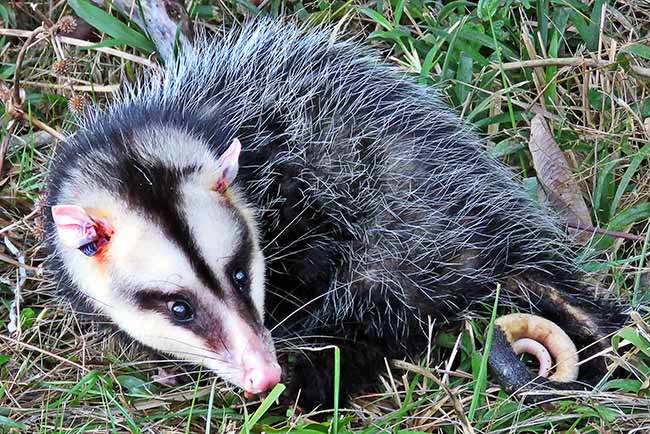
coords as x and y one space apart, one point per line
149 283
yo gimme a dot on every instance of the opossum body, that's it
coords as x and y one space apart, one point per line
277 180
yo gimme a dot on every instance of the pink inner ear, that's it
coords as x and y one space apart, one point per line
75 227
228 166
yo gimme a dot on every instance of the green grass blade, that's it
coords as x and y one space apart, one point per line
638 50
481 381
542 19
560 19
208 417
449 8
487 8
632 215
639 273
337 389
377 17
451 50
263 408
399 10
107 23
594 27
189 416
627 177
463 77
11 424
632 335
604 192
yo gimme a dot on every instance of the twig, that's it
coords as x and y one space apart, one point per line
19 113
9 260
43 126
42 351
81 43
19 222
97 88
19 63
569 61
14 307
625 235
12 100
458 406
111 51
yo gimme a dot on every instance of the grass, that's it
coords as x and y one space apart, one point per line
590 81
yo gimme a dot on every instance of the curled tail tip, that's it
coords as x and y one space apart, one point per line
512 374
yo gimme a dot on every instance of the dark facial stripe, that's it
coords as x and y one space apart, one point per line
244 252
159 199
243 259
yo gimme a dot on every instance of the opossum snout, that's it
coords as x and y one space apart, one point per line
261 377
544 340
261 370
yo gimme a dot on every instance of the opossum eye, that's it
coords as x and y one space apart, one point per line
240 279
89 249
181 310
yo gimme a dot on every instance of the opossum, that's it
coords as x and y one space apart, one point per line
281 181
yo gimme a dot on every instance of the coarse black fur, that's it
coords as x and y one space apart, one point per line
380 211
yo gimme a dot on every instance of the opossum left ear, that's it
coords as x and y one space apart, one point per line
74 225
228 166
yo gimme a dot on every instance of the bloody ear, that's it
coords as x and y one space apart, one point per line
75 227
228 166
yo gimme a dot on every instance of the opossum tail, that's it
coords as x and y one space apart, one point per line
574 328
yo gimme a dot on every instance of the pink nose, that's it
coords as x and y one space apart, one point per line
261 378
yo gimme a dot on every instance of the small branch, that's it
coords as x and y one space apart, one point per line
615 234
42 351
81 43
569 61
19 222
43 126
9 260
12 100
19 113
97 88
19 63
14 307
458 406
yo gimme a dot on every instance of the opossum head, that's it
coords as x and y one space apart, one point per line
155 237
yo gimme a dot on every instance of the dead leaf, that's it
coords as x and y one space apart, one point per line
555 176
